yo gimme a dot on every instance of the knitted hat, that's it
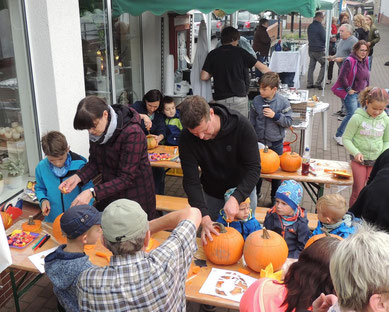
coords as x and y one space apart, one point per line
229 192
290 192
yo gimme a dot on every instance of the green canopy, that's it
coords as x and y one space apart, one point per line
306 8
328 4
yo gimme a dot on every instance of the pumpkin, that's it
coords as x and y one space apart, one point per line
264 247
226 248
290 161
270 161
7 219
152 245
314 238
151 141
32 225
57 232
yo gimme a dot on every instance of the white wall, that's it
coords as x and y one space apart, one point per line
57 66
385 7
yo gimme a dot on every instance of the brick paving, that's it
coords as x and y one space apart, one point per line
41 298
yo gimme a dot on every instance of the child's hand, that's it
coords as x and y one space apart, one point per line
359 158
70 184
45 207
268 112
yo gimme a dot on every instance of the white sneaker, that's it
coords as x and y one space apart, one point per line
338 140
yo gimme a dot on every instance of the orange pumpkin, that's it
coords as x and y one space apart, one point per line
314 238
7 219
57 232
290 161
226 248
151 141
152 245
264 247
32 225
270 161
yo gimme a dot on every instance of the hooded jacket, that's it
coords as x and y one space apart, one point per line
229 160
367 135
346 228
271 129
63 269
123 164
374 37
173 129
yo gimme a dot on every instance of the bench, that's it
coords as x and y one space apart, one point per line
171 203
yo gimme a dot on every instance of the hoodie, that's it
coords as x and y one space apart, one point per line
63 269
367 135
229 160
360 79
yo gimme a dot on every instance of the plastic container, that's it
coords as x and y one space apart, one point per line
306 161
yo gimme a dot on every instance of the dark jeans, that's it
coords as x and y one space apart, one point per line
330 70
262 59
275 183
159 175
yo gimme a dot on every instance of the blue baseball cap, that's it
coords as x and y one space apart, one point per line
79 219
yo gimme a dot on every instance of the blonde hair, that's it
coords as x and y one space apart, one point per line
360 22
371 94
360 267
332 204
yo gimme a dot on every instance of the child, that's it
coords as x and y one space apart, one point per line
172 120
366 136
333 216
245 221
288 219
81 225
59 164
270 114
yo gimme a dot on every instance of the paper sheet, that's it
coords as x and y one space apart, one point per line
226 284
39 259
5 253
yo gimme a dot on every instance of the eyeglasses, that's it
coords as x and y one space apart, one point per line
362 50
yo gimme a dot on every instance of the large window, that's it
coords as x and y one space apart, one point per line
18 137
111 52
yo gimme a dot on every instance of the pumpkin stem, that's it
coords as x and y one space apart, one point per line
31 220
222 228
266 149
265 234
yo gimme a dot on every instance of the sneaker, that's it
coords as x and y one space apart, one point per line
386 64
318 87
342 114
338 113
329 82
338 140
310 87
340 118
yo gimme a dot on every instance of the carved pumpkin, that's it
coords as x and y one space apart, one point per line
270 161
7 219
264 247
290 161
57 232
226 248
314 238
151 142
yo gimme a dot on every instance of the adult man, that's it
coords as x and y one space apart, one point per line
224 145
316 41
346 43
228 66
135 280
262 42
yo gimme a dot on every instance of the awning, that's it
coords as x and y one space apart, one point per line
328 4
306 8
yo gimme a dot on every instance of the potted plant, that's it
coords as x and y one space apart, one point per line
15 169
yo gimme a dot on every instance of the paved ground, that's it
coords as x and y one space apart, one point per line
41 298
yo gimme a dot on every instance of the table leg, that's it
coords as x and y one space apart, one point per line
308 135
302 141
324 119
314 190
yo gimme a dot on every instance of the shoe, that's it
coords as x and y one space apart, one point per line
387 63
338 140
310 87
329 82
338 113
318 87
342 114
340 118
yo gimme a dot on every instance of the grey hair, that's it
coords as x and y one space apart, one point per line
360 267
128 247
349 27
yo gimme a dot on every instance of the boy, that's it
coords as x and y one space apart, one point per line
59 164
333 216
172 120
81 225
270 114
288 219
245 220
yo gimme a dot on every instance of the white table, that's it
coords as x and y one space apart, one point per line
291 62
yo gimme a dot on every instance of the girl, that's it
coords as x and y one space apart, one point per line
367 136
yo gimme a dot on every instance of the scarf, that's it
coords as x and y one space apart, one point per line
347 219
61 172
102 139
289 220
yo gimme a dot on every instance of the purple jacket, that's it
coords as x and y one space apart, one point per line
123 164
361 80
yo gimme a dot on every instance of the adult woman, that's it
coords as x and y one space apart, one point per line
373 38
361 27
118 152
305 280
353 78
153 123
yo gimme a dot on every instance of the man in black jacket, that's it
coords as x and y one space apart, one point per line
224 145
261 44
316 41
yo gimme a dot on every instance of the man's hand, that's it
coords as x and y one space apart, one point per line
338 59
324 302
231 208
82 199
70 184
45 207
359 158
207 229
351 91
268 112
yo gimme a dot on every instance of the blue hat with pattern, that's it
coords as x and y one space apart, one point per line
290 192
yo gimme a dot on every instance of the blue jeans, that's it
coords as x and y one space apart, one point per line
351 104
370 61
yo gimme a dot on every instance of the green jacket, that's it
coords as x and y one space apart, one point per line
374 36
367 135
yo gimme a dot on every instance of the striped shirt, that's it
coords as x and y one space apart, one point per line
142 282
